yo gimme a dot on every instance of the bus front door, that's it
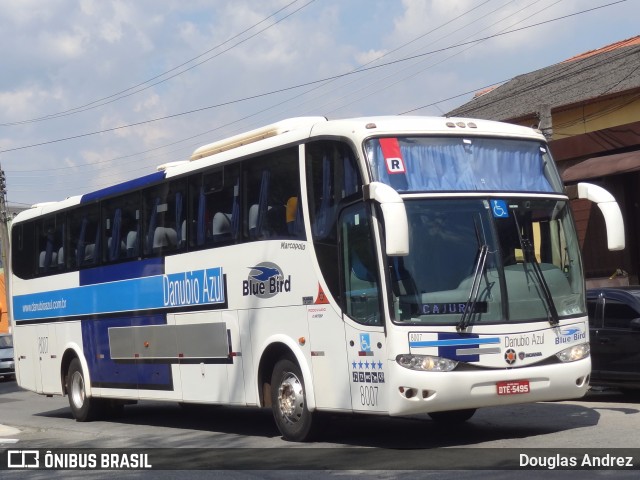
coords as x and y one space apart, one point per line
366 354
363 319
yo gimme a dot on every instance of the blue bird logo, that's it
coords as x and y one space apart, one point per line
263 273
569 331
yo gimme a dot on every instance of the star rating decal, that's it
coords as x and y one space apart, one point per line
366 365
373 375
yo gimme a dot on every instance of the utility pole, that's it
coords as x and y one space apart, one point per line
4 240
545 125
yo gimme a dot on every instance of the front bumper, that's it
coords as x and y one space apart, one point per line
7 367
415 392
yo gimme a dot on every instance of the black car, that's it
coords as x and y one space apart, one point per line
614 326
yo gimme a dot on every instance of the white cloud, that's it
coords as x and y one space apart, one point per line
149 103
111 32
418 16
24 13
27 101
369 56
65 45
103 173
16 103
62 54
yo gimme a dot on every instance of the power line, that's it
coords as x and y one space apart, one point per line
453 97
318 87
314 82
452 55
121 94
406 44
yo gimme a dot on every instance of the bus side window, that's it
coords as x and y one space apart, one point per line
121 217
165 217
48 255
196 230
223 201
131 228
332 177
50 232
23 261
85 238
214 206
272 187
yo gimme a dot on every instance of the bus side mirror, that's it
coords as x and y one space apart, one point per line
609 208
396 226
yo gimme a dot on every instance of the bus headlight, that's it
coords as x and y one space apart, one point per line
426 363
577 352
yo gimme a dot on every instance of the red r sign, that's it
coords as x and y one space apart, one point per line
392 155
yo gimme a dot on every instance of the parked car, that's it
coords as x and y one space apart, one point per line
7 363
614 326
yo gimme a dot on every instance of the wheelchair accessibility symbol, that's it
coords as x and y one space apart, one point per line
365 342
499 209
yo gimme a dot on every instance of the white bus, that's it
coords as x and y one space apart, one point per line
388 265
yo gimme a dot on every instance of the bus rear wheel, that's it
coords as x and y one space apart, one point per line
452 416
289 402
83 407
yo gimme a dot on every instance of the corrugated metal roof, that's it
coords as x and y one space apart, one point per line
606 71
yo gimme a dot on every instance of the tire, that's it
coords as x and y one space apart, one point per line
289 403
452 416
83 407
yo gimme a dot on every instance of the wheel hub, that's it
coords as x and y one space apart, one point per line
77 389
291 398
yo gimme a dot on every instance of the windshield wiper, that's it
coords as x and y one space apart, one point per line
472 301
554 320
529 257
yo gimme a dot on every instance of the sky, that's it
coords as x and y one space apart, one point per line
96 92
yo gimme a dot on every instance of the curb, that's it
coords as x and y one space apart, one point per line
4 430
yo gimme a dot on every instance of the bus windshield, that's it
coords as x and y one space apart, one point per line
422 164
498 260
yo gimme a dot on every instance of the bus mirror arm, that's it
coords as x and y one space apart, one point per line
394 214
609 208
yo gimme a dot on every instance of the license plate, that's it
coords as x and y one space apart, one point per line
514 387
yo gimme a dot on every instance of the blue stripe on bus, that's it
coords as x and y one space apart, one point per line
123 187
169 291
448 343
122 271
107 373
455 342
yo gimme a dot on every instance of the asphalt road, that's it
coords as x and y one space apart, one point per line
350 446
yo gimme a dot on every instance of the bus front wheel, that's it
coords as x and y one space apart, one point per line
289 403
83 407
